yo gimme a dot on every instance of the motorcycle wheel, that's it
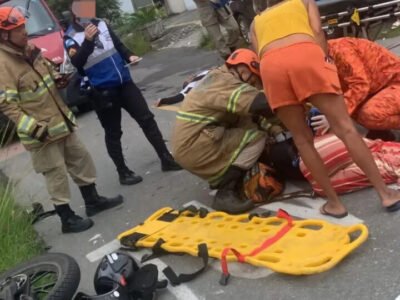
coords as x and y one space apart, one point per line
53 276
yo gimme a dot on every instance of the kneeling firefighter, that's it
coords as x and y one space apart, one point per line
222 129
45 126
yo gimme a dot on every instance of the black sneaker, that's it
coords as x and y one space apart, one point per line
101 204
229 201
169 164
76 224
128 177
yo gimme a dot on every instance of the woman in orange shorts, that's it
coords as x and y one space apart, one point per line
295 69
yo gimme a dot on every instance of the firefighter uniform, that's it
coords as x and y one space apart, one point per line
45 125
214 128
211 18
370 79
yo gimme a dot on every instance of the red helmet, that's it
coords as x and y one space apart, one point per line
11 17
247 57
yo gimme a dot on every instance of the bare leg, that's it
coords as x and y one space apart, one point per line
293 118
335 110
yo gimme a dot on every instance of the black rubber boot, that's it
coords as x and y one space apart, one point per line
70 221
95 203
228 198
168 163
128 177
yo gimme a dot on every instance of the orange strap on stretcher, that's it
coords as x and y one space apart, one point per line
267 243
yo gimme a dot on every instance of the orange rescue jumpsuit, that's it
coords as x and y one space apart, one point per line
370 79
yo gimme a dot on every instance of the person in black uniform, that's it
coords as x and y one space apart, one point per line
100 55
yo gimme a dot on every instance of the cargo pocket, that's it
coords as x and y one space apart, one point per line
47 158
215 133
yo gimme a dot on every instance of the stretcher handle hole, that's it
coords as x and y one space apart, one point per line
199 240
257 222
186 238
234 227
275 223
354 235
264 230
242 246
278 251
195 222
301 234
250 228
228 219
207 223
314 227
220 225
227 244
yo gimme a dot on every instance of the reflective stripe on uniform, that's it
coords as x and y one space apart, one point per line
233 99
71 117
58 129
9 96
95 60
25 124
30 95
195 118
249 136
27 140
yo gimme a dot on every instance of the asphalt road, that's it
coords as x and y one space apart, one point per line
371 272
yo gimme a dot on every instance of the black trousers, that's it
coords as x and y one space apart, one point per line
108 104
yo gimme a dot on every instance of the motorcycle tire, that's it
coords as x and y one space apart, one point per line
58 274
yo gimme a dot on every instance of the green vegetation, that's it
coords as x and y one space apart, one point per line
18 239
131 28
206 42
137 43
7 131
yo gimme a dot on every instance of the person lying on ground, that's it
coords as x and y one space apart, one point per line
187 87
344 174
370 78
219 135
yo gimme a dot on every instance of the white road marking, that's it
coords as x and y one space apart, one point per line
103 250
310 210
181 292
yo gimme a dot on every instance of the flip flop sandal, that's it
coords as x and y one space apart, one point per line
337 216
394 207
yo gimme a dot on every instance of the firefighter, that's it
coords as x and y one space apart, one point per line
218 134
370 78
45 126
214 13
99 54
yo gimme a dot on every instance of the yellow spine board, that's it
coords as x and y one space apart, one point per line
310 246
